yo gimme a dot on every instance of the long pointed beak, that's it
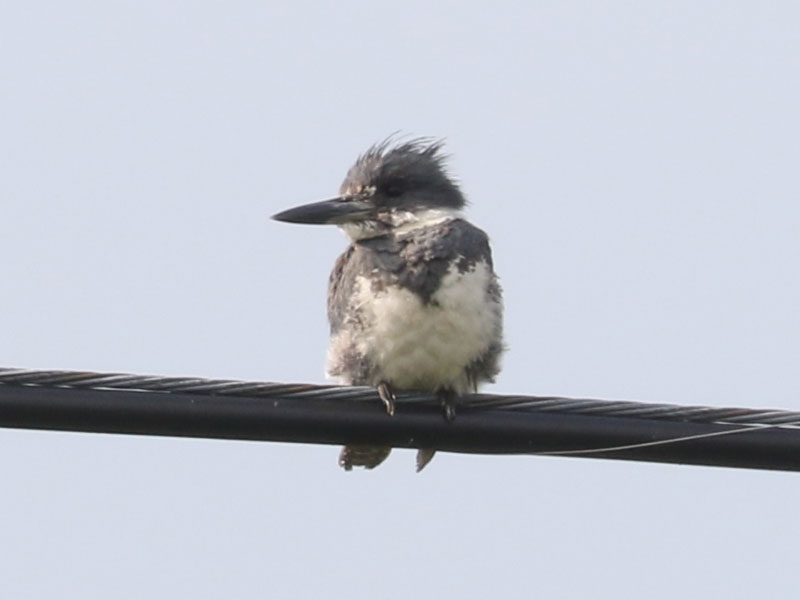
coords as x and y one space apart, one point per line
334 211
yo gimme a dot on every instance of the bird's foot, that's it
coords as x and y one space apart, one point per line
387 397
448 398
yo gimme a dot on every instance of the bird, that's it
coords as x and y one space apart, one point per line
413 303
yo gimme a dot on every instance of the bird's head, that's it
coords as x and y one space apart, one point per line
389 186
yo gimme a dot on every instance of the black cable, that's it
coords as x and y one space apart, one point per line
195 407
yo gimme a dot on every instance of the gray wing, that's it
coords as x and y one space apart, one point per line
340 287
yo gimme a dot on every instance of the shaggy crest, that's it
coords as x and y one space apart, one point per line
408 173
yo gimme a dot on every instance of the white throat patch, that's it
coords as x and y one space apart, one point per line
398 222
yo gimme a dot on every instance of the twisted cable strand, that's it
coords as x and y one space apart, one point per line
228 387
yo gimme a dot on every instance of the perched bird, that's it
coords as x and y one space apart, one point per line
413 303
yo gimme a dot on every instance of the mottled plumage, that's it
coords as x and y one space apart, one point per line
413 303
418 261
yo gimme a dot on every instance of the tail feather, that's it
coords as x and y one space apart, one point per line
424 456
368 457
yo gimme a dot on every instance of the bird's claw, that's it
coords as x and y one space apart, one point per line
448 399
387 397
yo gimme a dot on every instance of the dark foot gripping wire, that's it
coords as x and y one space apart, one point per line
485 423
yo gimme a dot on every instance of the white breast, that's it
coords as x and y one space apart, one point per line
425 346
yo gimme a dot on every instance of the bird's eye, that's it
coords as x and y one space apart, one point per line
392 189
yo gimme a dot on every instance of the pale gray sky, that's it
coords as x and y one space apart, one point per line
636 166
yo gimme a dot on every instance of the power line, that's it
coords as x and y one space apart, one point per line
486 423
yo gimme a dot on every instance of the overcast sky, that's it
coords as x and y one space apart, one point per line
636 165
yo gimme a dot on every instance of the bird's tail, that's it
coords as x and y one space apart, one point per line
368 457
